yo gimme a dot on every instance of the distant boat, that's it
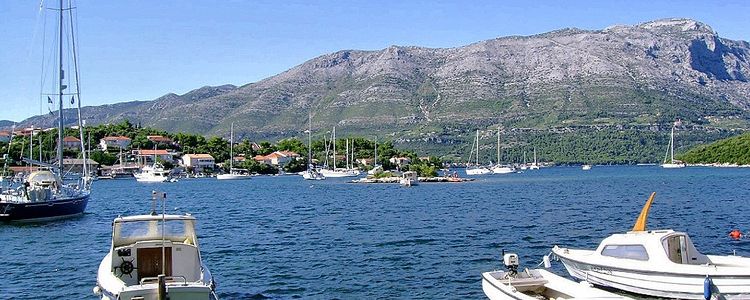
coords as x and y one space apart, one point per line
669 161
409 178
658 263
535 165
234 174
152 173
500 168
375 167
310 173
154 256
43 195
334 172
476 169
586 167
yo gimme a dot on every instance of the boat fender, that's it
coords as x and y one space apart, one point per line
735 234
707 288
546 261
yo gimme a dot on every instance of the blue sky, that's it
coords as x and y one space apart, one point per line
140 50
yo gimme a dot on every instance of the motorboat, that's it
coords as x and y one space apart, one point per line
478 170
586 167
152 173
409 178
154 256
534 284
42 195
669 161
503 169
312 174
660 263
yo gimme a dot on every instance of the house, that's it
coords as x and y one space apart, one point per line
158 139
401 161
75 165
114 142
364 161
278 158
198 162
5 136
70 142
147 156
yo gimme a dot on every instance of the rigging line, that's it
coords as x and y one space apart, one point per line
41 74
77 91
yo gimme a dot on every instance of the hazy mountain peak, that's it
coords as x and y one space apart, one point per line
677 24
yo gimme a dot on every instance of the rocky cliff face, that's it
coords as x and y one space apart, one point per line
622 75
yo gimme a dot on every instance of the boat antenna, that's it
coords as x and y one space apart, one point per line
640 223
163 221
153 203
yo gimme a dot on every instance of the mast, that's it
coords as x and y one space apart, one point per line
477 158
375 164
60 97
334 147
347 153
498 146
231 145
309 141
671 146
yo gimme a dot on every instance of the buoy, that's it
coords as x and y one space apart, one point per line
707 288
735 234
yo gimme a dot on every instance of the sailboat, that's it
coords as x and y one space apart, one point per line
535 165
44 195
499 168
476 169
310 173
233 174
672 163
375 167
338 172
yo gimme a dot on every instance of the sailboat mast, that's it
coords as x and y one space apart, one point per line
333 137
231 146
477 158
671 146
498 146
376 152
309 141
60 98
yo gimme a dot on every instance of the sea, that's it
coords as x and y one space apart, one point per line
281 237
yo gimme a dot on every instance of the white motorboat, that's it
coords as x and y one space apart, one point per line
152 173
409 178
312 174
152 257
503 169
586 167
660 263
234 174
536 284
669 161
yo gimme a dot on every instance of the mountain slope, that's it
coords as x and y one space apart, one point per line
639 75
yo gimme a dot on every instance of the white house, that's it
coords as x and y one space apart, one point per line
148 155
116 142
198 162
401 161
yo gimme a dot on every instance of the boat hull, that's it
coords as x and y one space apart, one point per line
232 177
478 171
502 170
539 284
44 210
667 284
672 166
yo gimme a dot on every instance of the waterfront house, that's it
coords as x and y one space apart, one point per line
158 139
198 162
147 156
114 142
75 165
278 158
401 161
70 142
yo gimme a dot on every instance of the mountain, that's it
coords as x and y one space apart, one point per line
733 150
641 77
6 124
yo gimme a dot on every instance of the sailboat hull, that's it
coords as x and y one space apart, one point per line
43 211
672 166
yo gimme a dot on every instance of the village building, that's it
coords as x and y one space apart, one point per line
114 142
278 158
70 142
198 162
147 156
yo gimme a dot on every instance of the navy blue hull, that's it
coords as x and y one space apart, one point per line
43 211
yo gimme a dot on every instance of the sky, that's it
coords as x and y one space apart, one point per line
143 49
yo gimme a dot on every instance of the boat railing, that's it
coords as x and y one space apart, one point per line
167 279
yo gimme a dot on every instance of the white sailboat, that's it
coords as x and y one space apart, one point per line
477 169
659 263
334 172
310 173
500 168
375 167
154 256
669 161
234 174
535 165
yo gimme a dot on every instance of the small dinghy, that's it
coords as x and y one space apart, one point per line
536 284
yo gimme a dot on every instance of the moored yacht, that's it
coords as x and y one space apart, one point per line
669 161
154 256
152 173
234 173
660 263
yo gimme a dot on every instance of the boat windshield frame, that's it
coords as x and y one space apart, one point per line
129 230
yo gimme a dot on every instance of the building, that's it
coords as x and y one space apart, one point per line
70 142
401 161
147 156
198 162
5 136
158 139
75 165
114 142
278 158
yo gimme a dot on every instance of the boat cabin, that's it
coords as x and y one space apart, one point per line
137 248
653 246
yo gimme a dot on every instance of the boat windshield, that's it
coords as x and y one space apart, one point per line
637 252
129 232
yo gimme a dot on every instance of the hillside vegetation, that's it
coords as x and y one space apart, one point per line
733 150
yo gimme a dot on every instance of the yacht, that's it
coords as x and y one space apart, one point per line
476 169
152 173
658 263
409 178
154 256
586 167
338 172
234 174
43 195
669 161
311 173
500 168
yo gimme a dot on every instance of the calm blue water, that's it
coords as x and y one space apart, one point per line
282 237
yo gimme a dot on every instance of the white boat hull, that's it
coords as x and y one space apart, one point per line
682 281
140 178
232 176
672 166
339 173
539 284
478 171
502 170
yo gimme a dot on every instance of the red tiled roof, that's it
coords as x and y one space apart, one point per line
70 139
116 138
153 152
199 156
158 138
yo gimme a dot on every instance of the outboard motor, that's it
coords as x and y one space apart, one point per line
510 260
